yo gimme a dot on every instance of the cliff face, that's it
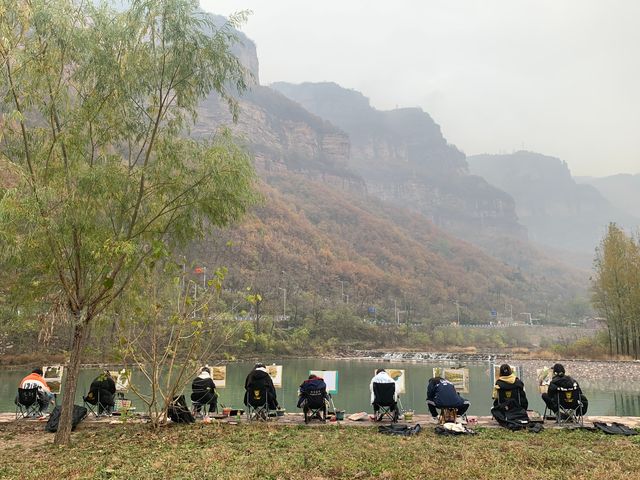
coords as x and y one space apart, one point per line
404 158
557 211
623 191
283 137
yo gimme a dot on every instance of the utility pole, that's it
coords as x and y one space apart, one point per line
458 310
284 303
395 310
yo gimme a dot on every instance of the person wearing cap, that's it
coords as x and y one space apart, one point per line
259 379
561 380
102 392
203 391
508 382
36 380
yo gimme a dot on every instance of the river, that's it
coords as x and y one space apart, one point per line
605 397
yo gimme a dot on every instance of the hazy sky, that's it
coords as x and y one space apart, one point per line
561 77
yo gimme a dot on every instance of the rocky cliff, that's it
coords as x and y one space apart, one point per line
404 158
556 210
283 136
622 191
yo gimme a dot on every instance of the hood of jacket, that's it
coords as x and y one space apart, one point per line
382 377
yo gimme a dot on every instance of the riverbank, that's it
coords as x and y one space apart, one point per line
270 451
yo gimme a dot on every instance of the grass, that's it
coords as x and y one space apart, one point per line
329 452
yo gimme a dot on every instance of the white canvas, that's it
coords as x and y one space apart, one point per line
122 379
330 377
458 376
398 375
275 372
52 374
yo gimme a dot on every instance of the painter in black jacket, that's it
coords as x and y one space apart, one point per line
203 391
102 392
260 380
560 380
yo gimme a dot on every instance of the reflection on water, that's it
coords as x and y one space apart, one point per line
605 398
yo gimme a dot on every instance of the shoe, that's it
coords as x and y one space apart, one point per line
434 420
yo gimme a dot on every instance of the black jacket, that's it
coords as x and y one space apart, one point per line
443 394
517 391
102 387
203 390
260 380
563 381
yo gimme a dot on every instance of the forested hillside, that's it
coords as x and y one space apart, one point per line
309 238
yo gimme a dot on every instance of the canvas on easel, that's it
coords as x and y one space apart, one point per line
398 376
330 378
458 376
122 378
544 376
275 372
52 374
219 375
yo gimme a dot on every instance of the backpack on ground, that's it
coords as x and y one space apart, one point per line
178 411
79 414
399 429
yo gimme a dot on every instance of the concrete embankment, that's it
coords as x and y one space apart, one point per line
293 419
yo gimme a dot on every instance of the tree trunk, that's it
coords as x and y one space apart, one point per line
63 435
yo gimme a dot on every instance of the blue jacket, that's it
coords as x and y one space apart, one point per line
313 384
443 394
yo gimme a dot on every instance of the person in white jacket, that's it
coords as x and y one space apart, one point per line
382 376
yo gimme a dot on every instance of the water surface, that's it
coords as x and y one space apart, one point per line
604 397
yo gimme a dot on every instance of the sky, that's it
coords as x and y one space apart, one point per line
559 77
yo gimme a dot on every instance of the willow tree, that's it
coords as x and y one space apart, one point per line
96 104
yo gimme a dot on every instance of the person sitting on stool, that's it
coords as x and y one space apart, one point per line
203 391
442 393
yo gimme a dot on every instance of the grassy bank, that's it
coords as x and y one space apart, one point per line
272 452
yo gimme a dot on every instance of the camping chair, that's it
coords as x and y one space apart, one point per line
27 403
383 397
315 405
569 406
257 404
93 404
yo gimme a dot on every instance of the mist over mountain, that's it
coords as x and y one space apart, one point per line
330 218
557 211
404 158
622 191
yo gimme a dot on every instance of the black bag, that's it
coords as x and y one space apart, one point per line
401 430
511 415
178 411
79 414
615 428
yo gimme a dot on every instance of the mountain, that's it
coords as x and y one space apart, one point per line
403 158
320 225
308 237
556 210
622 191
